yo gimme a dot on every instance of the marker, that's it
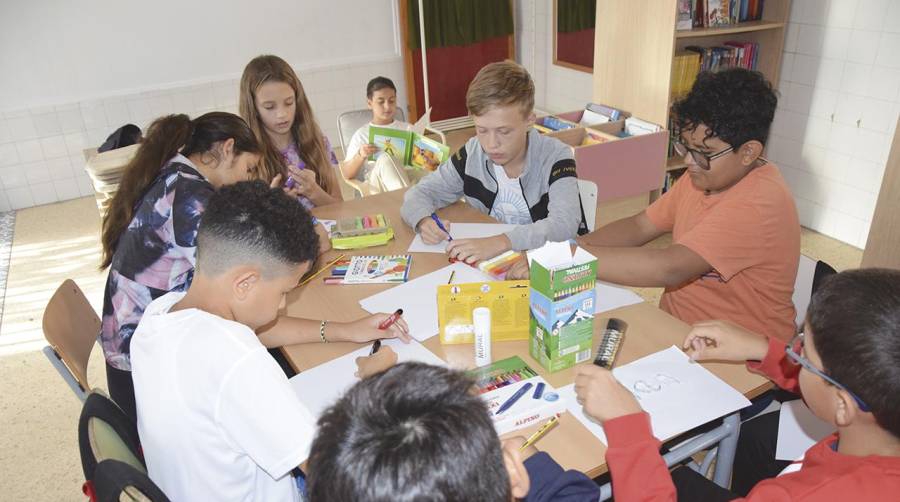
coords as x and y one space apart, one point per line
540 432
515 397
538 391
440 225
375 347
450 280
387 323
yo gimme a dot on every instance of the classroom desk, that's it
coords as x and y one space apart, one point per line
573 446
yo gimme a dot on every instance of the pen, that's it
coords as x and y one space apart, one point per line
332 262
450 280
391 319
540 432
440 225
515 397
375 347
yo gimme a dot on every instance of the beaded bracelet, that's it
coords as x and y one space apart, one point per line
322 331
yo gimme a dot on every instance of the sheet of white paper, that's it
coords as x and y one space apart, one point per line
418 298
798 430
677 394
590 117
610 296
338 374
460 231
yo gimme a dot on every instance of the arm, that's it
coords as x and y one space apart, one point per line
357 152
649 267
436 190
292 330
351 165
634 230
549 482
563 211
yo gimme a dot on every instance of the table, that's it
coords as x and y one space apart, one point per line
649 328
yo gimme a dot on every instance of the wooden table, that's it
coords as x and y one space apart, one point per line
571 444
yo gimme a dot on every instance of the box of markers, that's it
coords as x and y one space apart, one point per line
361 232
498 384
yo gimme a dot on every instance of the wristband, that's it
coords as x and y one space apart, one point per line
322 331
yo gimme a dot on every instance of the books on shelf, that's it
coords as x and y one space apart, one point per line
728 55
716 13
408 147
370 270
685 67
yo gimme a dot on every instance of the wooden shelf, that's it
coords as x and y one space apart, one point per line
729 30
675 163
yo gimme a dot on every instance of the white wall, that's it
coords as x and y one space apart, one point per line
840 98
72 72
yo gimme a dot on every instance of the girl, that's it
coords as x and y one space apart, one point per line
273 102
149 234
385 173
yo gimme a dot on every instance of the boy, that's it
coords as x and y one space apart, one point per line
735 232
385 173
508 170
216 416
418 432
846 363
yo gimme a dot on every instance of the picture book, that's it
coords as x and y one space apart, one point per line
408 147
370 270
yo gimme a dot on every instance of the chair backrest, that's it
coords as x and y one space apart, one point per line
349 122
71 327
117 481
810 274
588 192
106 432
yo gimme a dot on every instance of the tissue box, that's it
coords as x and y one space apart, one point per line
561 300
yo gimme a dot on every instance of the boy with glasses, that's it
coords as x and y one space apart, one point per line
735 231
846 364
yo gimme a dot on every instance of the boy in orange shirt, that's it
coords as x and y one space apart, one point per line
735 231
846 363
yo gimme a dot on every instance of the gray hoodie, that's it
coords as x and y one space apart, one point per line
549 184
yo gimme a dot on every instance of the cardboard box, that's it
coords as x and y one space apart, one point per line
507 300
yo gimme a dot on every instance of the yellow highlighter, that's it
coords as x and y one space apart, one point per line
540 432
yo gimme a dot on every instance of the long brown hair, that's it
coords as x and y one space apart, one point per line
166 137
305 131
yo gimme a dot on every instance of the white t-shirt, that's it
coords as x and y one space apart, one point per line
216 416
361 137
510 205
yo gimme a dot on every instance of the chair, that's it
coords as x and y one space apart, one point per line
588 192
349 122
71 327
105 170
111 456
810 274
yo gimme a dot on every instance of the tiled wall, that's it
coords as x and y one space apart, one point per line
557 89
41 158
840 98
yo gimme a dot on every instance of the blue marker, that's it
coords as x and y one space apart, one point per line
538 391
515 397
440 225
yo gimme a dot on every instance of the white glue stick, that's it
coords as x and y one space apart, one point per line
481 318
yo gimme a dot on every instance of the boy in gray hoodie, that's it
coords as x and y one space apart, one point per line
508 170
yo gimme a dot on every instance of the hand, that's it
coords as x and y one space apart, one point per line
367 366
518 271
516 442
366 150
601 395
430 232
324 240
366 329
475 250
276 183
305 183
724 341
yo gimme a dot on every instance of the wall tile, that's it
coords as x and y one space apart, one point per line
36 172
862 46
20 198
871 146
93 114
892 18
54 146
848 109
29 150
870 14
9 156
59 168
138 109
46 124
818 132
5 133
884 83
856 79
810 40
21 127
13 176
76 142
43 193
844 227
70 119
843 138
4 202
117 113
66 189
790 36
809 11
841 13
837 165
889 50
84 186
877 115
824 102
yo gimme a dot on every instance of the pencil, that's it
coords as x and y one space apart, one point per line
332 262
450 280
540 432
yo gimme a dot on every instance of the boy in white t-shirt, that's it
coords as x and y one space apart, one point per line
216 416
385 173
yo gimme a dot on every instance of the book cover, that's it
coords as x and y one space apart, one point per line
716 13
373 269
685 20
393 142
427 154
408 147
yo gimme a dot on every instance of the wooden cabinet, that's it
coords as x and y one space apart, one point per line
883 245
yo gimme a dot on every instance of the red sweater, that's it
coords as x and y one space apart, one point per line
639 472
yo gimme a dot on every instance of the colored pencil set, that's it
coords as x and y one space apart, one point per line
567 292
370 270
503 377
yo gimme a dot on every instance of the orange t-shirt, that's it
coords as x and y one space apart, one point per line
750 235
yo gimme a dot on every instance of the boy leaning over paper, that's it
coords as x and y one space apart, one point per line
846 363
508 170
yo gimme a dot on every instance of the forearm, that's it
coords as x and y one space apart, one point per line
293 330
631 231
636 266
350 167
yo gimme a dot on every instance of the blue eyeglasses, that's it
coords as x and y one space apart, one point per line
794 355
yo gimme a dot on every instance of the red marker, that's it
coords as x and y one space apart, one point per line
387 323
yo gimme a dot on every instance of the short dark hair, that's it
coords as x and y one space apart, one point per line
737 105
855 321
248 222
413 432
377 84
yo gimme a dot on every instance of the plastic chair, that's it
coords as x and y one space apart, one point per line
588 192
71 327
810 274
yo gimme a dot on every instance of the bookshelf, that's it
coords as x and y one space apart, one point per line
636 41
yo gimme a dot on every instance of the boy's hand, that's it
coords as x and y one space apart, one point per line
366 329
430 232
367 366
475 250
601 395
519 271
367 149
724 341
324 240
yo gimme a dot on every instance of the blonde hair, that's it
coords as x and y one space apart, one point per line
305 131
500 84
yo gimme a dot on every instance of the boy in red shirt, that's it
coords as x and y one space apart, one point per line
847 366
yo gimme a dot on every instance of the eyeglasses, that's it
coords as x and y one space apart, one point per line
795 357
703 160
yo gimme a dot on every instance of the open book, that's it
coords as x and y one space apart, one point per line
411 148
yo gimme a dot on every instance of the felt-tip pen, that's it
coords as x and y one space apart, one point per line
387 323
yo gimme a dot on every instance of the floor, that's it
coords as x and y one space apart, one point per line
38 439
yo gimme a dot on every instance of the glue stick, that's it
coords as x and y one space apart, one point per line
481 318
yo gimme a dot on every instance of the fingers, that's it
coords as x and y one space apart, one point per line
400 329
464 250
276 181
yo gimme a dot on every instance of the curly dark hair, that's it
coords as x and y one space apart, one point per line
248 222
737 105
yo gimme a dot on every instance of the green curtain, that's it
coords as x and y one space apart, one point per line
575 15
459 22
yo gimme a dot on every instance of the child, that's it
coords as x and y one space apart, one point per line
384 174
735 232
273 102
508 170
846 363
217 418
393 438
